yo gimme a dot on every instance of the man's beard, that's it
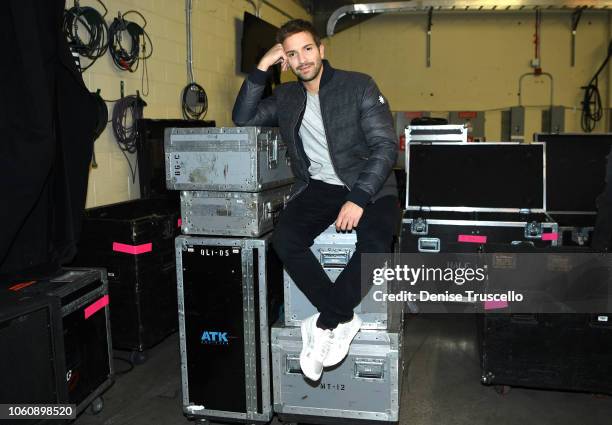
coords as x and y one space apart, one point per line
317 70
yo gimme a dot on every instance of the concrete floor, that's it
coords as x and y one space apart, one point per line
441 386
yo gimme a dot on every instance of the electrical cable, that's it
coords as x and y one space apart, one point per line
95 28
127 59
124 371
194 101
126 113
592 110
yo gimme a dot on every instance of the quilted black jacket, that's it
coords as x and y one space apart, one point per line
357 121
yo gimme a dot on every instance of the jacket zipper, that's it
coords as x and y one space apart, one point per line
300 149
328 144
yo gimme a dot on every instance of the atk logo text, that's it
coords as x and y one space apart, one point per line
214 338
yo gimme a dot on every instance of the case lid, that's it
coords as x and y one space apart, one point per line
575 170
500 176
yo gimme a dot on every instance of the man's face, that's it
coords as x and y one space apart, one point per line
304 57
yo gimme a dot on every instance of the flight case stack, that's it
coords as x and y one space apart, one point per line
234 182
364 386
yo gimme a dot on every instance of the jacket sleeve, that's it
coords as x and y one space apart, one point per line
377 125
249 108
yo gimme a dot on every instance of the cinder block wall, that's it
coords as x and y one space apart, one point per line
216 34
476 61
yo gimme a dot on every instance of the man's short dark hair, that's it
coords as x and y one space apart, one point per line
295 26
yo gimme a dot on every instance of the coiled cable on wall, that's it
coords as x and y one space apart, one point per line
126 113
127 58
592 110
194 101
94 43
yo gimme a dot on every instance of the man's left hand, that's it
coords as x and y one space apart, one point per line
349 216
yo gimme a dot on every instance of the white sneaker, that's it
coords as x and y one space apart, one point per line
342 337
316 343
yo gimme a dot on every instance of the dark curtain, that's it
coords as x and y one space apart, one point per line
47 120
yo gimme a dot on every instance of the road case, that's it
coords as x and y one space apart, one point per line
232 213
229 294
33 367
453 231
575 177
151 158
549 351
84 299
243 159
366 386
134 241
334 250
461 196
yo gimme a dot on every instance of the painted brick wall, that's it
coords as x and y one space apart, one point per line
216 26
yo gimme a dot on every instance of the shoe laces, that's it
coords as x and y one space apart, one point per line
326 343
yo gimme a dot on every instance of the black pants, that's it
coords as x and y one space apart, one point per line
305 217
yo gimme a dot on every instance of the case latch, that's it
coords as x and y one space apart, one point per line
419 227
273 153
533 230
369 369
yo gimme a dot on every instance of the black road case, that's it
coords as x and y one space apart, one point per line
134 241
229 295
463 196
548 351
84 300
575 177
31 348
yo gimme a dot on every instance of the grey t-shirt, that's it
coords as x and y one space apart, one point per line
313 137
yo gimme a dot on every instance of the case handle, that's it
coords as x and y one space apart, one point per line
272 209
369 369
334 258
429 245
292 364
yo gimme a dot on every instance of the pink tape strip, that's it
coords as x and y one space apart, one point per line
495 305
96 306
550 236
472 239
179 222
132 249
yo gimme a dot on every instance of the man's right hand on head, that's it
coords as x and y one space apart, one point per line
273 56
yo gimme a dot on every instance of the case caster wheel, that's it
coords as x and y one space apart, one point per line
138 357
202 422
502 389
96 406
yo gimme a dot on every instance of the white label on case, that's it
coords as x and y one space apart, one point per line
602 318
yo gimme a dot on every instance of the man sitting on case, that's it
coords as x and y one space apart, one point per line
342 146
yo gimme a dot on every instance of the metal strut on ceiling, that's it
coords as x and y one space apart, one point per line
575 20
461 5
428 48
